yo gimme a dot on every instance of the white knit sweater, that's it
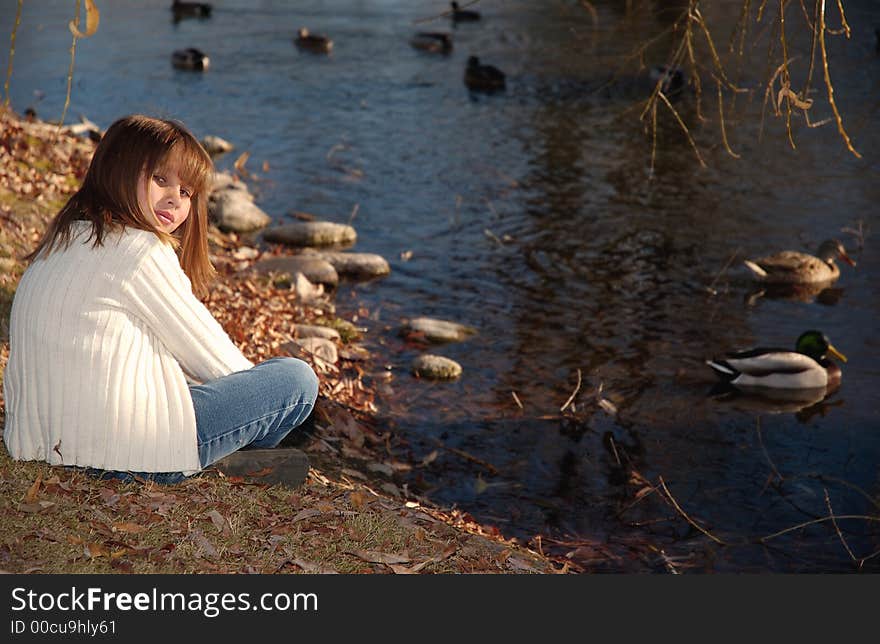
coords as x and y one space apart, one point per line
100 340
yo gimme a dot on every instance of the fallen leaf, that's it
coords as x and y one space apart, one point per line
384 468
404 570
93 549
358 499
34 490
379 557
129 527
33 508
305 514
92 20
519 564
310 567
204 544
220 522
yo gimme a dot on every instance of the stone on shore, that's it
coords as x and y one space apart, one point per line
316 331
436 367
315 269
320 351
214 145
358 265
311 233
233 210
435 330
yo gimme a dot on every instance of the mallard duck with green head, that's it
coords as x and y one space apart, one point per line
793 267
807 367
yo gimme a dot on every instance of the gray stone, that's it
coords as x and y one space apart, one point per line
320 351
285 466
315 269
226 181
235 211
316 331
358 265
311 233
215 145
439 330
436 367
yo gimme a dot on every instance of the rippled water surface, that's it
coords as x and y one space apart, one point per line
534 216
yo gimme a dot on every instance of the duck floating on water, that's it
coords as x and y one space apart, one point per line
671 79
187 9
190 58
792 267
433 41
463 15
485 78
807 367
313 42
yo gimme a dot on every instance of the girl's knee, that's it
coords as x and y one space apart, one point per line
300 376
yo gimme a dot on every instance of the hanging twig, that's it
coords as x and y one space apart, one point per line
828 80
70 71
721 121
683 127
12 50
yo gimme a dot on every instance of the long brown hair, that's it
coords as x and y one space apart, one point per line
136 146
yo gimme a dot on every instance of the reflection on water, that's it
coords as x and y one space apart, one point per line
538 217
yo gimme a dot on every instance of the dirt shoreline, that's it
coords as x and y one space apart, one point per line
344 519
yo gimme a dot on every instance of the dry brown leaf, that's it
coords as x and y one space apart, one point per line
128 527
220 522
34 490
379 557
33 508
403 570
92 20
305 514
93 550
204 544
240 161
358 499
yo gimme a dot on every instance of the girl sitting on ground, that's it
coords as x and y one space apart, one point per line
114 364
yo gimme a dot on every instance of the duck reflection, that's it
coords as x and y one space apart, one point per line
803 403
807 293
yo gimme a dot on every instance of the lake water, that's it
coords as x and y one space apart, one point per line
535 216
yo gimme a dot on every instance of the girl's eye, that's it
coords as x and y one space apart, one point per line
184 192
158 178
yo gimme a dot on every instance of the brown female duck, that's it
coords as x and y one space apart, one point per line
792 267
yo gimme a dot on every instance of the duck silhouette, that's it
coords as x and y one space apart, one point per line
191 9
484 78
190 58
463 15
432 41
313 42
671 79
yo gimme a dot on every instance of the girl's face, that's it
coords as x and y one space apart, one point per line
165 196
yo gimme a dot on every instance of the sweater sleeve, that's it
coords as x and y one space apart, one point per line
160 294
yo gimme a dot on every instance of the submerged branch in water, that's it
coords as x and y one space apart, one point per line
686 517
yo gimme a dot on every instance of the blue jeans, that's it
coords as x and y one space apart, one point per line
255 408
